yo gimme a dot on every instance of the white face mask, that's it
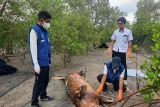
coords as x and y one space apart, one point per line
46 25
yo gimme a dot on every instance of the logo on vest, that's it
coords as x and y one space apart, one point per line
42 41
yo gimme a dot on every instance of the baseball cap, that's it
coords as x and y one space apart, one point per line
116 61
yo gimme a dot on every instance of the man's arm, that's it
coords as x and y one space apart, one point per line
33 48
100 87
130 38
121 83
129 48
120 91
113 40
130 44
111 47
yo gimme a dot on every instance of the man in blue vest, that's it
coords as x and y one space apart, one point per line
41 57
113 73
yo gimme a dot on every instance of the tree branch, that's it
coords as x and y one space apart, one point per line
152 102
21 54
125 102
126 97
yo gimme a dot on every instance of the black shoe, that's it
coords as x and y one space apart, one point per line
37 105
46 98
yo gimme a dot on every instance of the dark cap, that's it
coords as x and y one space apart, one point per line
116 61
121 19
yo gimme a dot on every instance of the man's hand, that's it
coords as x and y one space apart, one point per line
120 91
100 87
129 49
129 53
37 69
99 90
109 52
119 97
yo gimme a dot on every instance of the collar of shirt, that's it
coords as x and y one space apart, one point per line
121 30
115 70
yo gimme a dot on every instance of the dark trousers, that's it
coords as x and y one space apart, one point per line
115 83
123 61
40 85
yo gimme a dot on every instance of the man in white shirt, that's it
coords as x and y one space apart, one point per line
121 43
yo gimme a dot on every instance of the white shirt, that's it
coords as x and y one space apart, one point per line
122 38
33 47
105 70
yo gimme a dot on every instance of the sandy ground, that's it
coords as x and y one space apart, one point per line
16 89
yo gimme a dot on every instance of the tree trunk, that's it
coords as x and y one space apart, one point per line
9 48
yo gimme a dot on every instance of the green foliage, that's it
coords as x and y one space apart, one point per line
135 48
145 19
152 68
77 25
74 36
12 26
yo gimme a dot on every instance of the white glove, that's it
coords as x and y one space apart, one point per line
125 82
37 69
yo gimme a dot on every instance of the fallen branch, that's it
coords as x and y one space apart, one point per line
152 102
125 102
136 99
156 102
138 104
22 54
126 97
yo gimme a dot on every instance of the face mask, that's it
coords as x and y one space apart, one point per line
46 25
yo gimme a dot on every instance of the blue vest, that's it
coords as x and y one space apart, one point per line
111 76
43 46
